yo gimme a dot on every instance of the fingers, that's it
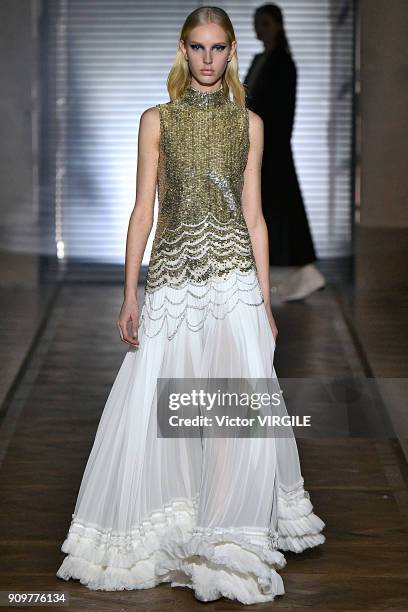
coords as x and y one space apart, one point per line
134 327
124 334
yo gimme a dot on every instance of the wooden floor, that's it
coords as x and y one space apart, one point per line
358 486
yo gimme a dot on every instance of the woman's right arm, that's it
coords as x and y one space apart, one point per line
141 220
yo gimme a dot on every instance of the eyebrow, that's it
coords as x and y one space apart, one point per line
195 42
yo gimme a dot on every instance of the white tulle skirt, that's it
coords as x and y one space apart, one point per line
212 514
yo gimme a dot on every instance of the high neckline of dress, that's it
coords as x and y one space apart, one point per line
204 99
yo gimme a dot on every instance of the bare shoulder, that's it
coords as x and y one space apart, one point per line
150 116
149 124
256 130
255 122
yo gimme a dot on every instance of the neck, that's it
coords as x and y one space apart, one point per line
204 99
269 47
196 87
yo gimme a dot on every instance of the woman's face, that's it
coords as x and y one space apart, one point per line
207 50
266 28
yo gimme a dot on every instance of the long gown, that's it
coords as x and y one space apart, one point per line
271 84
212 514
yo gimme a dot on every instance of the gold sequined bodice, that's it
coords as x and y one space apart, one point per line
201 231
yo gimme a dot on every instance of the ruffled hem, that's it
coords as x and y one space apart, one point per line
108 578
223 564
108 560
298 526
168 546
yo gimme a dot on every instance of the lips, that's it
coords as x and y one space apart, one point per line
207 71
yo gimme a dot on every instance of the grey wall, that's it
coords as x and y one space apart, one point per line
384 129
381 252
18 160
384 115
108 71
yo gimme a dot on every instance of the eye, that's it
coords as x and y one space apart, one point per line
197 46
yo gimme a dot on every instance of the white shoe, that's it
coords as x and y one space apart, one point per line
301 283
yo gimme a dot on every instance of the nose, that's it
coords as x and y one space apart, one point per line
207 57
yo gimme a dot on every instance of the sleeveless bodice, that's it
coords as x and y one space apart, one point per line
201 231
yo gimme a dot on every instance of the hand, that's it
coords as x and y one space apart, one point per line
129 312
271 320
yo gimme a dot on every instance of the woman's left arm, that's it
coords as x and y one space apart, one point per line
252 210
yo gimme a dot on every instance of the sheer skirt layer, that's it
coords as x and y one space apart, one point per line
212 514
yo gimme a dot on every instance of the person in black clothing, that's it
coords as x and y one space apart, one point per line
271 93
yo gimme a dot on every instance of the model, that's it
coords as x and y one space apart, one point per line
212 514
271 85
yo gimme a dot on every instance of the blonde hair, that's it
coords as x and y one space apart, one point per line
179 75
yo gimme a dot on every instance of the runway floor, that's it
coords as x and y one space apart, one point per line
51 410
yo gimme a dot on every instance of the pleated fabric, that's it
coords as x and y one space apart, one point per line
211 514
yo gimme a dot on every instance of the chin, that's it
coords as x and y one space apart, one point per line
207 80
